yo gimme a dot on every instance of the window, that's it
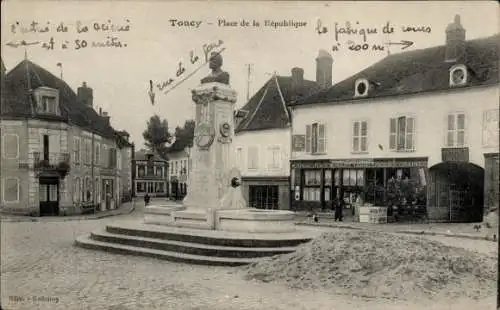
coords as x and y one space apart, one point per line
89 151
455 130
53 195
159 187
159 172
141 187
239 157
141 170
176 168
353 177
76 149
150 187
361 88
11 146
315 138
402 134
76 190
88 189
49 105
360 136
171 168
458 75
274 157
253 157
11 190
97 155
104 156
312 183
490 128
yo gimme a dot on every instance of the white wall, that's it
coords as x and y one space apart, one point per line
262 140
430 111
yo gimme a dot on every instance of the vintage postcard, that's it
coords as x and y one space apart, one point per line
226 155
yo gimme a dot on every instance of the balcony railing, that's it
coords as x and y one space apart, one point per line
55 162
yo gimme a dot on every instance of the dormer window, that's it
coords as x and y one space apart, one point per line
49 105
47 100
361 88
458 75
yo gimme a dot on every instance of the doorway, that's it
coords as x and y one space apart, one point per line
264 196
49 196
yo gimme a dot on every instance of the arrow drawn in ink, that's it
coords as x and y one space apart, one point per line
403 42
22 43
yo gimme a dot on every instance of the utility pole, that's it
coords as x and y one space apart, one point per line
249 72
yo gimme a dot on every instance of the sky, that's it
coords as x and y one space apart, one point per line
120 75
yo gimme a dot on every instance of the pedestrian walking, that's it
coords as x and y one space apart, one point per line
146 199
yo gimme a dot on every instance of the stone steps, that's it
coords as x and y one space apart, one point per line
195 246
210 237
189 248
87 243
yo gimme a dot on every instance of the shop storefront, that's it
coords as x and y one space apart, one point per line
316 184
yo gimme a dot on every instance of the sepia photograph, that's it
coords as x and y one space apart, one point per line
227 155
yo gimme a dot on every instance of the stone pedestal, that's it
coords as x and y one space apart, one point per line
206 205
211 154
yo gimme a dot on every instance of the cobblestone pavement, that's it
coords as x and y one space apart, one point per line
39 260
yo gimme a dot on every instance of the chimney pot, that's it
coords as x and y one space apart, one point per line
324 64
86 94
297 77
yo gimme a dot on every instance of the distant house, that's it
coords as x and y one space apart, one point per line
150 172
179 165
263 135
429 116
58 154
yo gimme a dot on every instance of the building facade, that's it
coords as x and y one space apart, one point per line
263 135
428 117
59 156
179 169
150 174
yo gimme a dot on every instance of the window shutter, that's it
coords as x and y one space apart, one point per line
392 134
308 138
364 136
410 133
321 138
401 134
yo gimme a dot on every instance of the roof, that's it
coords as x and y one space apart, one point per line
143 155
267 108
16 101
418 71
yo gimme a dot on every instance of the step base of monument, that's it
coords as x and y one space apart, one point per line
208 247
241 220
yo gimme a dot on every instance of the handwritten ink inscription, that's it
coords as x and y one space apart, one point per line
109 31
357 37
180 70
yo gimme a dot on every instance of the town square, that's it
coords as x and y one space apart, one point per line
237 169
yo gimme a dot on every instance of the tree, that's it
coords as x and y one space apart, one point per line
156 135
183 136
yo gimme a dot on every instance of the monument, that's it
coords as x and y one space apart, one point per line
213 225
214 199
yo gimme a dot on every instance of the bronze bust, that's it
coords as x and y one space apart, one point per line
217 75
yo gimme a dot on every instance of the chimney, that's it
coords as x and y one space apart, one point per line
106 117
455 41
100 111
297 77
86 94
324 64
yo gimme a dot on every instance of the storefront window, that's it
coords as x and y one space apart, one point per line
312 190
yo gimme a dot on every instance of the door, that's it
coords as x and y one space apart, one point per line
49 196
264 196
457 205
107 191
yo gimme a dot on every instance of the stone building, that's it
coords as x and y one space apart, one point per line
59 155
263 134
428 115
150 172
